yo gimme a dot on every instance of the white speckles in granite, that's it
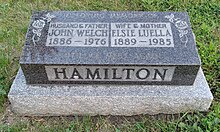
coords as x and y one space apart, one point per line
54 100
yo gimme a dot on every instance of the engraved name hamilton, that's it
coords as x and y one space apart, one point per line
105 73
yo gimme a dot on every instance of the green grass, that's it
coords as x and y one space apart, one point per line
205 21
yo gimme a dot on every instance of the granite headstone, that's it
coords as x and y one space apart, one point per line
153 54
100 47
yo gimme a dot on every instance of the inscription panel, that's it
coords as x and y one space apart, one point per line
78 34
106 73
110 35
141 35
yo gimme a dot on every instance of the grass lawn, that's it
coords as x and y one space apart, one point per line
205 21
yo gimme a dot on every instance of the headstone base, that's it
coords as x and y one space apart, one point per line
56 100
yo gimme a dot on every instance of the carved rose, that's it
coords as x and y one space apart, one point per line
183 32
39 24
181 24
37 32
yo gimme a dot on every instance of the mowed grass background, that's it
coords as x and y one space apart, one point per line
205 22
